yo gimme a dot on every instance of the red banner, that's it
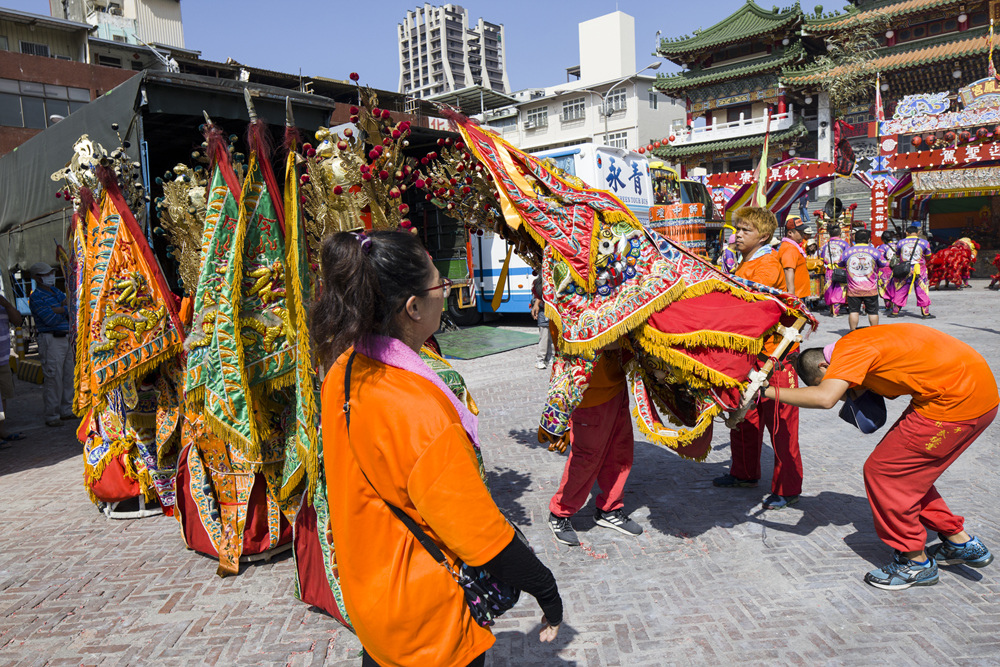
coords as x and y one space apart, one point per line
956 155
784 172
880 209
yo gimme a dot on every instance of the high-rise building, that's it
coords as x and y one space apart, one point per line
440 52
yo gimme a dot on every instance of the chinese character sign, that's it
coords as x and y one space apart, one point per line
880 208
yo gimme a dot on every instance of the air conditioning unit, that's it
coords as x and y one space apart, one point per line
529 124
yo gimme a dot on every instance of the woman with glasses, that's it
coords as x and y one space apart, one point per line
395 435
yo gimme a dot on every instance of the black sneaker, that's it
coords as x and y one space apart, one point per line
902 573
776 502
618 520
563 530
973 553
729 481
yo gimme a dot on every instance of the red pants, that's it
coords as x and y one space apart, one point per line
747 439
900 476
601 450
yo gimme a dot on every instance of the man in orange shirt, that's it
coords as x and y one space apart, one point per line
601 440
954 398
792 257
754 228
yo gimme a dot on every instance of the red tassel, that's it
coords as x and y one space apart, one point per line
292 139
259 139
107 177
218 150
86 202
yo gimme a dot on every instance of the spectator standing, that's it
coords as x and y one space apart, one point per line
730 257
953 399
862 262
49 308
792 257
831 252
916 251
8 316
396 434
544 354
754 228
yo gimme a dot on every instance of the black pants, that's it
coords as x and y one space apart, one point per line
368 661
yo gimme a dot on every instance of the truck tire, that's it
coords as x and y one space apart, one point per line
463 317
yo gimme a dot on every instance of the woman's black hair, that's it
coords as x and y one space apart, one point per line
363 291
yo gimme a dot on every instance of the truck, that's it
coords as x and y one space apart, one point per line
682 210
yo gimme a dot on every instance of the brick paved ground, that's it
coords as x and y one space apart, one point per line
711 581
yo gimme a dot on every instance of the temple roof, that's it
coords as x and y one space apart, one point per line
943 49
886 10
694 78
747 22
796 131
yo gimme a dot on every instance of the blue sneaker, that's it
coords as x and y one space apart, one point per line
973 553
902 573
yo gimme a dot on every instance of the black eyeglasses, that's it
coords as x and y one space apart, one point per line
445 288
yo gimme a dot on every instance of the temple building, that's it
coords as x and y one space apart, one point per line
730 84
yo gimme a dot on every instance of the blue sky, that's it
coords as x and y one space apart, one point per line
332 39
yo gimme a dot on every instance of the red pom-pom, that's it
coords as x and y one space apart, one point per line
656 144
420 183
354 76
355 111
373 154
385 114
424 160
428 197
460 167
376 112
354 119
394 193
916 140
348 132
466 189
641 150
366 177
305 178
337 190
671 138
383 174
343 145
432 155
311 152
364 168
396 134
459 145
404 208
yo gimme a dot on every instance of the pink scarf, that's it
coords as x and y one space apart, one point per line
795 245
395 353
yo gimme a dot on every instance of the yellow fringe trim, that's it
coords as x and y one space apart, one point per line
633 321
195 399
232 437
686 363
136 373
683 437
701 338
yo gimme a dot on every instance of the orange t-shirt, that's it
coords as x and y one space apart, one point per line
765 270
790 258
607 381
948 380
408 438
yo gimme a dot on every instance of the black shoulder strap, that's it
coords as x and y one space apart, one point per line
417 531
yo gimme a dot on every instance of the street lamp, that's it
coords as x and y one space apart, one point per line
604 101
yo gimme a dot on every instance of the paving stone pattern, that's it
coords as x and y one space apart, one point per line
713 580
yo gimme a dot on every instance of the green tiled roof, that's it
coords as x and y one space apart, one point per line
748 21
794 132
885 10
944 48
695 78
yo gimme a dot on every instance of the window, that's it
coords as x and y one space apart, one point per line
654 100
109 61
3 43
617 100
33 49
30 104
120 38
538 117
574 109
618 140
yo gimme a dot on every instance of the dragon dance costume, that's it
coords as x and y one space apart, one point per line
953 264
693 331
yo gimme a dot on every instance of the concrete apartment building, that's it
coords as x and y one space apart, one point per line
575 112
440 52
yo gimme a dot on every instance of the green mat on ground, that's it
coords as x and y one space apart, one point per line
482 341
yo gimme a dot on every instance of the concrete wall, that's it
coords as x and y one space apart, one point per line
607 48
160 22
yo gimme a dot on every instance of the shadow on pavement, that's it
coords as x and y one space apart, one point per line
40 448
527 437
528 650
506 486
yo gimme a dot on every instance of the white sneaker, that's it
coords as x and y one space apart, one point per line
540 365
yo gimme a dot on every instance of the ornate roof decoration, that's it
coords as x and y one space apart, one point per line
694 78
943 49
796 131
833 23
747 22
